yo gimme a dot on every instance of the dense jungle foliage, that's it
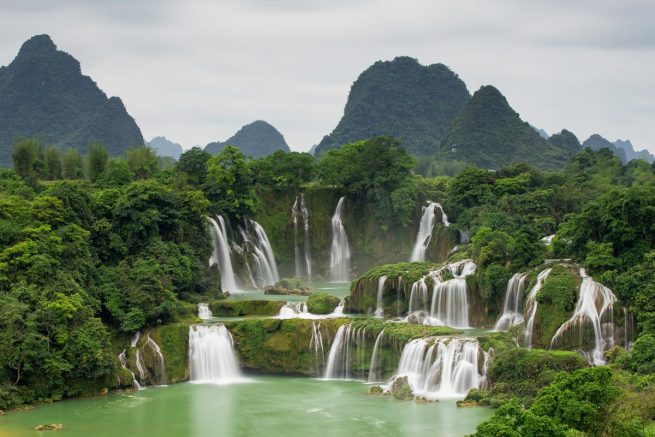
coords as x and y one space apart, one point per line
94 248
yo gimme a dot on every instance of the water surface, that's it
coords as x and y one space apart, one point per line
268 406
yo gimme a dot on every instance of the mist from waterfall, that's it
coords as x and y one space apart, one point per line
426 227
340 249
595 308
221 255
212 359
513 304
303 256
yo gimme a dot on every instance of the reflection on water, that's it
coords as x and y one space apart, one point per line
273 406
339 289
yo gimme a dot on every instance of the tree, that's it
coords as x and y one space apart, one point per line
25 155
373 169
52 159
283 169
229 183
142 162
193 163
72 164
97 161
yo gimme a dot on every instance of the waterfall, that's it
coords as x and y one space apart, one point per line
595 307
211 355
425 229
316 344
265 272
135 339
140 367
379 311
375 360
548 240
340 358
449 303
204 312
294 310
299 210
221 255
123 360
445 368
340 251
160 359
513 306
338 311
531 307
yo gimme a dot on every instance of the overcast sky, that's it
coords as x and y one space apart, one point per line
197 71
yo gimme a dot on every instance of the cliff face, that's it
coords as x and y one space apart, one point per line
370 244
45 95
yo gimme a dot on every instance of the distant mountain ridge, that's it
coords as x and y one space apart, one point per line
44 94
256 139
165 147
490 134
402 98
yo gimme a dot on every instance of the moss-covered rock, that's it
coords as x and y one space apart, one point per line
556 300
322 303
242 308
293 286
173 340
400 389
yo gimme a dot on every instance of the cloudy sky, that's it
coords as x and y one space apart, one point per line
197 71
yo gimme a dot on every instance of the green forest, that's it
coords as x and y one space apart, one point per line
93 249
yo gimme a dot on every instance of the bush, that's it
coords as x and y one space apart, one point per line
322 303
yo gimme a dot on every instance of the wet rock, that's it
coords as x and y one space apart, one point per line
376 390
400 389
49 427
467 403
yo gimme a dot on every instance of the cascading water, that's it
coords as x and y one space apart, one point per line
375 368
340 250
204 312
294 310
221 255
265 271
595 307
122 358
531 307
161 364
316 344
341 356
443 368
140 366
211 355
379 311
449 303
135 339
303 263
513 306
425 229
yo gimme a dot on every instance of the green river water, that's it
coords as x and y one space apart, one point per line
268 406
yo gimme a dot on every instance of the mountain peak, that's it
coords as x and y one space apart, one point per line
490 134
44 94
38 44
255 139
402 98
